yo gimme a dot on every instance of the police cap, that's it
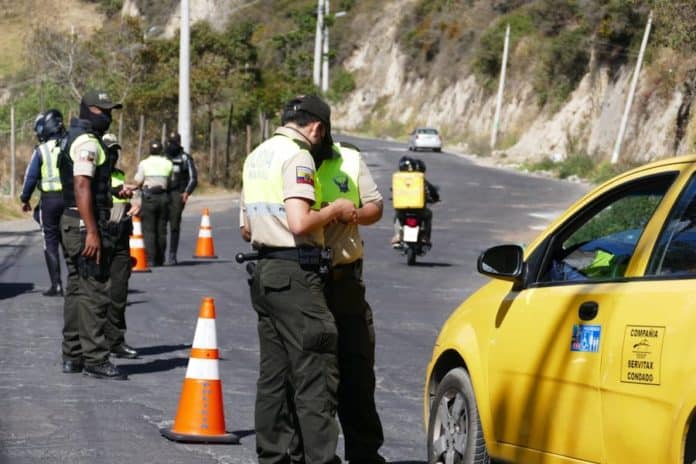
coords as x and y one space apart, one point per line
111 141
156 148
100 99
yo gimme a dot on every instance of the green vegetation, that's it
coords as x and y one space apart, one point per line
579 165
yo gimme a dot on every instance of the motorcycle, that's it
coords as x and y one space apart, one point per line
412 240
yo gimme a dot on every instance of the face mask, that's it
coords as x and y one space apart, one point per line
100 122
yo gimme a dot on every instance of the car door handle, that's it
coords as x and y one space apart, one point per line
588 310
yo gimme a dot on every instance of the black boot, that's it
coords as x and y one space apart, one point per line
53 265
173 246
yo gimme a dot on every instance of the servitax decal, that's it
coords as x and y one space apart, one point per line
641 358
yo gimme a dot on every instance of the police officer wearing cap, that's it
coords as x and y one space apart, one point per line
153 176
85 173
344 174
43 172
182 184
120 271
297 333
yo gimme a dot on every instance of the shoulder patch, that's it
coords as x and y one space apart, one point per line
86 155
304 175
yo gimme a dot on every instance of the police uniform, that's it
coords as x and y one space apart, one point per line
345 175
43 171
184 180
153 174
87 298
297 333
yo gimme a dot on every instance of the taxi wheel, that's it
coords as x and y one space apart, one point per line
454 432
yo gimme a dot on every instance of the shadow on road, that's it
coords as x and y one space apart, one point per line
158 365
159 349
243 433
131 303
432 264
14 289
202 261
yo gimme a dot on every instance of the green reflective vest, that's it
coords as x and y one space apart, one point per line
118 178
338 176
156 166
50 176
263 177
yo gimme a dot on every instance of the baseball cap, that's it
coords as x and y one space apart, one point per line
110 140
314 105
100 99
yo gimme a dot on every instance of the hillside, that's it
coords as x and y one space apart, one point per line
395 64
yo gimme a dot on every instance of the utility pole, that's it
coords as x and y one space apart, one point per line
13 153
184 63
631 92
325 54
318 39
501 86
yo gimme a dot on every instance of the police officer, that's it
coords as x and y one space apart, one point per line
153 175
43 171
297 333
120 271
182 184
85 172
344 174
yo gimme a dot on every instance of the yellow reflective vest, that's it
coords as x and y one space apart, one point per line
118 178
338 176
263 177
156 166
50 176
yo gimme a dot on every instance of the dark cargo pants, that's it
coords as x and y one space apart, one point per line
297 341
115 328
362 429
87 301
176 209
154 219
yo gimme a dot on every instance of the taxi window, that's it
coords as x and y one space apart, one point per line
599 241
675 252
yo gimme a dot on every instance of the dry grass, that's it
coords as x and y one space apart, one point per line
18 18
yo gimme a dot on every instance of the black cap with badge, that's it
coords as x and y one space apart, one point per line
317 107
100 99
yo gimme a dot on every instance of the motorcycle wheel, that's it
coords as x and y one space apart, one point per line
411 256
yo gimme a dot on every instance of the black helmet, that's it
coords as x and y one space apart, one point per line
156 148
419 165
53 123
406 164
39 127
174 138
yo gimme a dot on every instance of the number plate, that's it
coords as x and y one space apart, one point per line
411 234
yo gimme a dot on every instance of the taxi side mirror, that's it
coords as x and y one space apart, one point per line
504 262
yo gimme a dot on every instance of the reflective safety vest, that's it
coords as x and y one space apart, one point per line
263 177
118 178
338 176
50 176
157 166
101 182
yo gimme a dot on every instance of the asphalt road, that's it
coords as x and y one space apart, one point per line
50 417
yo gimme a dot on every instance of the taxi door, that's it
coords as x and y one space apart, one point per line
648 375
545 365
550 340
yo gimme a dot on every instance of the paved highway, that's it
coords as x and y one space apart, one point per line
50 417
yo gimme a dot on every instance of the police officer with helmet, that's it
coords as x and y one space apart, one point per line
85 172
153 176
297 334
43 172
120 271
182 184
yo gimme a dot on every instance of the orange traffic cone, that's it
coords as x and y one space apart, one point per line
201 415
137 248
204 246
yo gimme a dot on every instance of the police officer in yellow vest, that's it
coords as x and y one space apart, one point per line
344 174
43 172
88 242
120 271
297 333
153 175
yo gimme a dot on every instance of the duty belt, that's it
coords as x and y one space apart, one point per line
313 257
100 213
154 190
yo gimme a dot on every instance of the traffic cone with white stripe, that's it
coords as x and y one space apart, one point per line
205 248
201 415
137 248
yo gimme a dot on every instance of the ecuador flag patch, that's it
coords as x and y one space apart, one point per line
304 175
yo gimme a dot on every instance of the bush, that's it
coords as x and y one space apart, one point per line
342 84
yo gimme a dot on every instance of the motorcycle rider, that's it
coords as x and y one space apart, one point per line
432 195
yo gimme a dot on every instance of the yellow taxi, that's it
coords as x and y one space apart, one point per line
582 347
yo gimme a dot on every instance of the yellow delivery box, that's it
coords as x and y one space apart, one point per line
408 190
